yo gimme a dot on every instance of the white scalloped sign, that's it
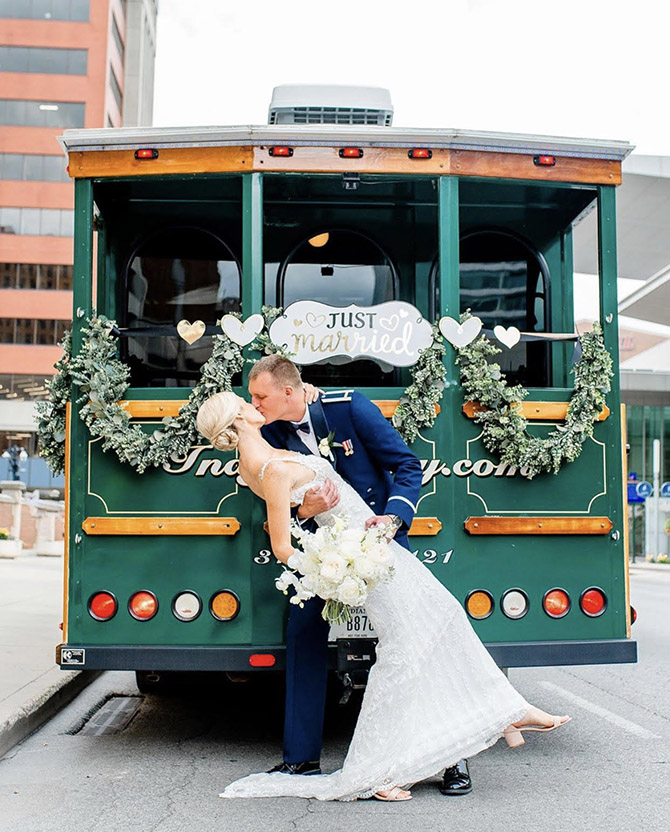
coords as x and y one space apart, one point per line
392 333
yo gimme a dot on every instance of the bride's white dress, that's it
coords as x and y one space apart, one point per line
434 694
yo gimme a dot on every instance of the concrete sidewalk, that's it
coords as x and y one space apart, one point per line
32 687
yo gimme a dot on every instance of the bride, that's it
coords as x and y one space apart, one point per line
434 695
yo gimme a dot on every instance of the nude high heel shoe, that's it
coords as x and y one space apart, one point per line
514 734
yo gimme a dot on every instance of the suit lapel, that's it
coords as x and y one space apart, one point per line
320 424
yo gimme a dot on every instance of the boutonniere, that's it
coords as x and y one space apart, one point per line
326 445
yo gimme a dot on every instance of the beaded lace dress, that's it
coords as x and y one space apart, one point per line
434 694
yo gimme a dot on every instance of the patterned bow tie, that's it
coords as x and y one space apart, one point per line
303 426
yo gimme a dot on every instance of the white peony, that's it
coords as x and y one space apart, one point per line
333 567
364 567
352 591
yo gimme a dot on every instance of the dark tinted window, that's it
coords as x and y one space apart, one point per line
39 59
42 113
77 10
177 274
340 267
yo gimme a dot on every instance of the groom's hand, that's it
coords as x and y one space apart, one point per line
318 499
382 520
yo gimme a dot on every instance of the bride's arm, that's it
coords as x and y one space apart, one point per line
277 486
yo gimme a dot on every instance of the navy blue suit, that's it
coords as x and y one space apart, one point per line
387 475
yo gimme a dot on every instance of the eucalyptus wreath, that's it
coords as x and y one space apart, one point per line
505 429
416 409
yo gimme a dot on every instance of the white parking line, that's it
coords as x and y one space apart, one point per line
626 724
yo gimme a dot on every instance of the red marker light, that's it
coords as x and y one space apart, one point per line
633 615
351 152
262 660
544 161
146 153
593 602
556 603
143 605
420 153
281 150
102 606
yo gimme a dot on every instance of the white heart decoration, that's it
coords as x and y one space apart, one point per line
509 337
460 335
389 323
191 332
242 333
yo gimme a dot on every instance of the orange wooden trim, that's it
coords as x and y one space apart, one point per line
521 166
536 411
538 525
425 526
161 525
393 160
375 160
100 163
150 409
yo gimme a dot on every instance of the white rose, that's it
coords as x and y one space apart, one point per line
351 592
309 565
333 567
364 567
324 449
379 553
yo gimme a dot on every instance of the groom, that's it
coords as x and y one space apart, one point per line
375 461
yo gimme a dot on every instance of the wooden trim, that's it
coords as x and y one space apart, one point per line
102 163
535 411
161 525
538 525
307 159
150 409
425 526
521 166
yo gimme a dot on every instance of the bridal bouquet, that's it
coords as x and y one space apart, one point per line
338 564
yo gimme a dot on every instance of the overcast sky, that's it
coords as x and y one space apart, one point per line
576 68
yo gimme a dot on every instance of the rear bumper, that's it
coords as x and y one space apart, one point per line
120 657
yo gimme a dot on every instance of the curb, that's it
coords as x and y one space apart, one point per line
28 709
653 567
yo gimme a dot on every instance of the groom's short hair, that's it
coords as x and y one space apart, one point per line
283 371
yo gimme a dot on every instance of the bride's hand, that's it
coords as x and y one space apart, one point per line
382 520
312 393
317 500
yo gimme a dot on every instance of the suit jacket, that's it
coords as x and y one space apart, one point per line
380 468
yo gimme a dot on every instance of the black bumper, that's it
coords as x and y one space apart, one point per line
120 657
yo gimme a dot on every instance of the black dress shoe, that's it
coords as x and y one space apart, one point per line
309 767
456 779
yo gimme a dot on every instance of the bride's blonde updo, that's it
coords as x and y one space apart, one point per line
215 420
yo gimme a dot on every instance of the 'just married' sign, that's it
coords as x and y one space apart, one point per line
392 333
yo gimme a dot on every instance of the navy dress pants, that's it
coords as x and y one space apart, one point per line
306 677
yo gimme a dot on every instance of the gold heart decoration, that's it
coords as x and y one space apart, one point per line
191 332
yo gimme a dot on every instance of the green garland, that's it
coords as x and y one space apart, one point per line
505 429
103 381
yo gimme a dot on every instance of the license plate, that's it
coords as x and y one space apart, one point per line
359 626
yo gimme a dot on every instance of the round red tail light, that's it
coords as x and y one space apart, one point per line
593 602
556 603
143 605
102 606
633 615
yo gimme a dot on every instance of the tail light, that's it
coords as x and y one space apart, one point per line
186 606
544 161
556 603
102 606
633 615
225 605
143 605
262 660
514 603
146 153
593 602
479 604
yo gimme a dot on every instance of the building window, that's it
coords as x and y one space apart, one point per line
41 222
116 89
51 61
41 113
31 331
35 276
118 40
33 167
75 10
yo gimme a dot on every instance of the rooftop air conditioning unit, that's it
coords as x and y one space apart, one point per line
322 104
